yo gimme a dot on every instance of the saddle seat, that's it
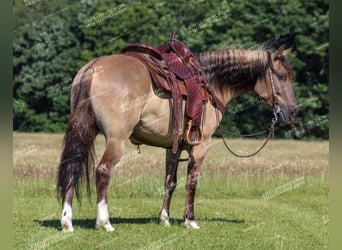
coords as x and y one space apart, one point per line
143 48
173 68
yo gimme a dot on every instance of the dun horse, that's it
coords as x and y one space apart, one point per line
120 99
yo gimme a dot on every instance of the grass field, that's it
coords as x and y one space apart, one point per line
275 200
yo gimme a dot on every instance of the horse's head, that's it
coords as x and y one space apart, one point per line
276 86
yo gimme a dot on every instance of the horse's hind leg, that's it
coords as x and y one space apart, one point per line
66 217
170 185
113 152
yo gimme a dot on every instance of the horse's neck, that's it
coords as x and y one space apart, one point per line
232 73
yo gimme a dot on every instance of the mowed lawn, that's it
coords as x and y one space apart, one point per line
275 200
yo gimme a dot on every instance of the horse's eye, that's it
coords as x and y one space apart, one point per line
282 77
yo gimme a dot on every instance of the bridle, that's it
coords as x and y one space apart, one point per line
275 105
276 110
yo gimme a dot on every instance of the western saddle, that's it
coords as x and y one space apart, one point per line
174 69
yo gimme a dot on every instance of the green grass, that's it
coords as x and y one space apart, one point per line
230 207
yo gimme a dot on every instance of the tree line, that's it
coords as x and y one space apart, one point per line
52 40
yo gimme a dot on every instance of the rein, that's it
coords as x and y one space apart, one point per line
276 111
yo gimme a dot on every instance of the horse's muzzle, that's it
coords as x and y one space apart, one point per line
288 115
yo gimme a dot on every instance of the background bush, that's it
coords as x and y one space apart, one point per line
53 40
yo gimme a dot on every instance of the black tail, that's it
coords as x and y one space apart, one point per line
77 157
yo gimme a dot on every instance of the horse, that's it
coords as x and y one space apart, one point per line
121 101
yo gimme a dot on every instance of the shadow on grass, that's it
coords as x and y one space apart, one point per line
236 221
90 223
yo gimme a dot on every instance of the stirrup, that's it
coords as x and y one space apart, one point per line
187 134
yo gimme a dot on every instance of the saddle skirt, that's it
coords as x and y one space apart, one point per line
174 69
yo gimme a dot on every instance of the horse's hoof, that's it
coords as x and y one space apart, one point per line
191 224
165 223
109 228
68 229
67 225
106 226
164 219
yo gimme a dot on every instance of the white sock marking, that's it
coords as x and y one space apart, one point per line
102 219
191 224
164 218
66 218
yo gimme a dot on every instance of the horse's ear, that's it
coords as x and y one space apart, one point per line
281 51
286 51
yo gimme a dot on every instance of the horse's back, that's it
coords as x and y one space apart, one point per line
120 75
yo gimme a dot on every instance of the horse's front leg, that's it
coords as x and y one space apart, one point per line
170 185
197 155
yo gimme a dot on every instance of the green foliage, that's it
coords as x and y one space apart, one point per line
53 40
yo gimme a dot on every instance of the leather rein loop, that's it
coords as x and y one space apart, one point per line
276 110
